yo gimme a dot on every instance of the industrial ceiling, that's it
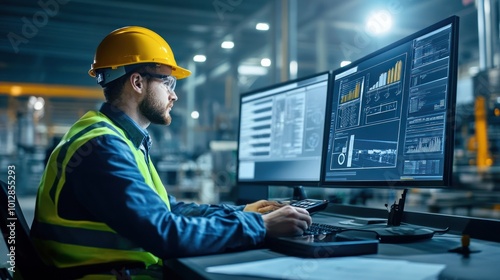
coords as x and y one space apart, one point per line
53 41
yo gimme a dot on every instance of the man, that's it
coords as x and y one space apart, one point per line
101 200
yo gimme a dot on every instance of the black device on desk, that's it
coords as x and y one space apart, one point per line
324 245
311 205
324 240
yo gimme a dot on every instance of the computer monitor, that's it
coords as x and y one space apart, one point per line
391 115
281 132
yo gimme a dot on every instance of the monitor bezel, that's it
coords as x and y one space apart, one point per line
310 183
446 181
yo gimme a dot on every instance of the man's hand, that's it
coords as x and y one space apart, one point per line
263 206
287 221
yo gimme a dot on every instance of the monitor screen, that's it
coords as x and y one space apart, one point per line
281 132
392 114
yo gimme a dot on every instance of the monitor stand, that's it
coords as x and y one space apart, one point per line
395 232
299 193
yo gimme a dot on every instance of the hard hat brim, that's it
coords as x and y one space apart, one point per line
177 71
180 73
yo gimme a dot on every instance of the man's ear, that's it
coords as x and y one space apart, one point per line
137 82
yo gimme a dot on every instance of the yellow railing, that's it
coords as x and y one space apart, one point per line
46 90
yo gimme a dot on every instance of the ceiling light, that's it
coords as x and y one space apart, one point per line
252 70
195 115
39 104
36 103
266 62
199 58
344 63
294 67
379 22
262 26
227 45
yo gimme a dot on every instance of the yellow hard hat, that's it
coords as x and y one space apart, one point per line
133 45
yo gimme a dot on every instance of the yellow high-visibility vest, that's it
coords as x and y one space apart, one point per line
68 243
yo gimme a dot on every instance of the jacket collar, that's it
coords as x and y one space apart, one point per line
134 132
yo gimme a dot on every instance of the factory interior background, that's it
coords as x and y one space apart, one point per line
233 47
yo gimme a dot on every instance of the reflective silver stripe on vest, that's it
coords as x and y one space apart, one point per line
83 237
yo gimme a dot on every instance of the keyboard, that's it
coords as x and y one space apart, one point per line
317 228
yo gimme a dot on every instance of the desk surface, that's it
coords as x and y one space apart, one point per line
484 264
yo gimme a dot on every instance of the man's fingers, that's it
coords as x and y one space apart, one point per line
302 210
268 208
305 217
276 203
303 225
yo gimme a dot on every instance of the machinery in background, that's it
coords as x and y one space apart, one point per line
477 153
478 135
208 178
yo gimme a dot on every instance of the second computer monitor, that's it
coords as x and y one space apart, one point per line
392 114
281 132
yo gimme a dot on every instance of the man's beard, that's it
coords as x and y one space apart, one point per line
153 109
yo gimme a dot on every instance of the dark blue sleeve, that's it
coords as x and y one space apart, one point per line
194 209
108 184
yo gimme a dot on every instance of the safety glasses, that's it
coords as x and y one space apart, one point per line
168 80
